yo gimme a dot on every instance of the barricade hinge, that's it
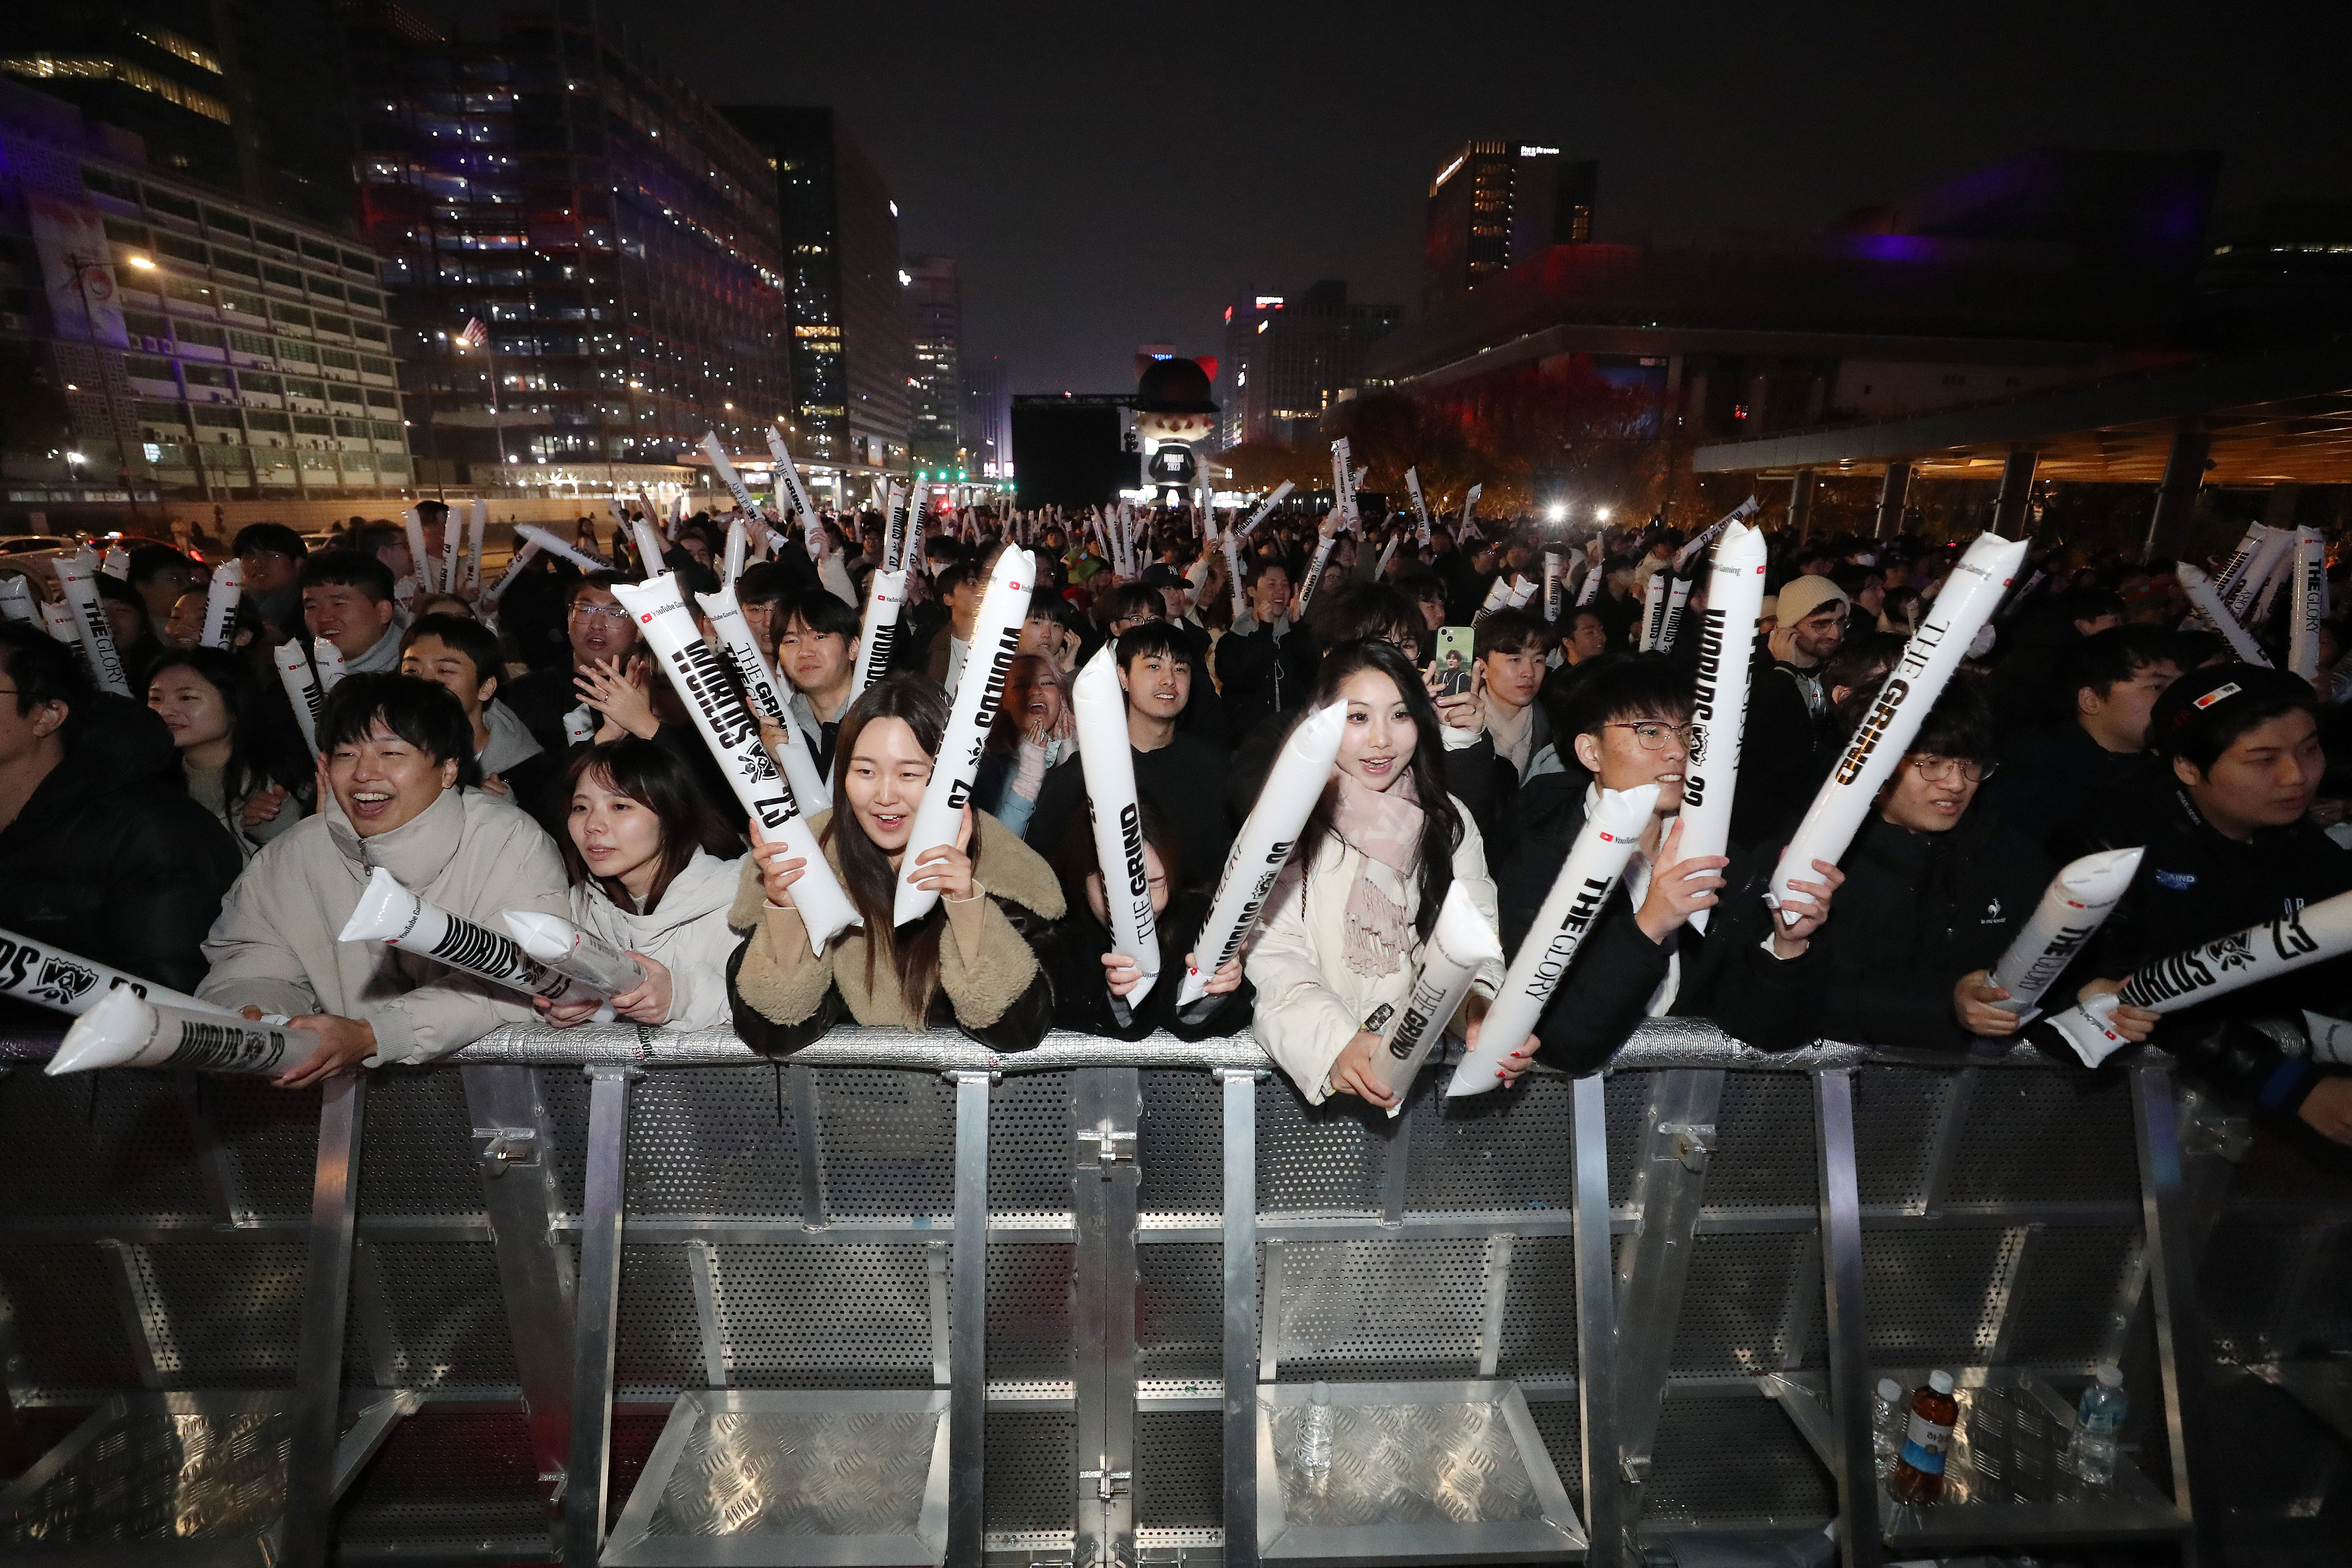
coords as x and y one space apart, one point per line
1690 1143
499 1148
1104 1146
1109 1484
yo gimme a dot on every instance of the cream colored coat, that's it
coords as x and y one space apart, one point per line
1310 1002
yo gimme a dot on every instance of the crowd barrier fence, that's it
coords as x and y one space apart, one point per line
622 1297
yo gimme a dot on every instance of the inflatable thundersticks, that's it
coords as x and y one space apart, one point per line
742 654
1726 651
879 634
733 736
1594 866
995 638
2076 903
1910 689
1284 801
220 604
1107 760
52 978
2312 934
1458 945
568 950
2207 602
127 1029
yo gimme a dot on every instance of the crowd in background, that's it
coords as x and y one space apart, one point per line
529 755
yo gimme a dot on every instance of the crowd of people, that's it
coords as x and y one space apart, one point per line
526 754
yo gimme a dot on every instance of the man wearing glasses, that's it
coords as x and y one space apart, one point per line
271 556
597 629
1629 723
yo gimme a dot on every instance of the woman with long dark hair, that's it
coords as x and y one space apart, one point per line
650 872
966 963
1346 924
241 763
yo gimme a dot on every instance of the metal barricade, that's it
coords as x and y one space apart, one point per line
637 1297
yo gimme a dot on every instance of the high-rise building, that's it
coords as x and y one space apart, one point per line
249 97
1496 204
853 352
615 237
988 417
162 340
935 301
1289 357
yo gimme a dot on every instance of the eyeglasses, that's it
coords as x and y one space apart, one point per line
1651 735
1941 770
609 611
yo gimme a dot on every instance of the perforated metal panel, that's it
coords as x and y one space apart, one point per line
447 1476
272 1137
1380 1309
65 1306
2066 1291
1033 1469
2079 1131
1539 1313
1732 1458
1560 1424
227 1316
416 1126
1178 1470
101 1144
1181 1311
888 1142
1316 1159
1181 1144
1895 1112
1764 1155
1624 1095
446 1314
1936 1296
714 1140
1029 1149
1028 1310
824 1317
1736 1309
1498 1151
658 1346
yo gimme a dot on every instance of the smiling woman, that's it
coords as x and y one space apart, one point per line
967 963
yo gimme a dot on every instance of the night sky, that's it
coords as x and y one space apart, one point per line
1108 175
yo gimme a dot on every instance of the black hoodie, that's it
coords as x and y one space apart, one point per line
112 859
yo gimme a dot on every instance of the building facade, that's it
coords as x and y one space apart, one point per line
162 340
1493 204
987 417
935 303
852 355
615 237
247 97
1288 358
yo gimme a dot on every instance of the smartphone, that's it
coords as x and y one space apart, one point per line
1450 671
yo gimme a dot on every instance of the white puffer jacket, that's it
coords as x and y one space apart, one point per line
1310 1002
687 934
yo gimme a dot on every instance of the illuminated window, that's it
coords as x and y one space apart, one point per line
124 71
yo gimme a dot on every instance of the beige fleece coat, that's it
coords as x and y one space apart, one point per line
275 946
985 965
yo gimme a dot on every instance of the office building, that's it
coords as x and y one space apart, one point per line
988 417
247 98
853 350
614 236
1496 204
1288 358
162 340
935 303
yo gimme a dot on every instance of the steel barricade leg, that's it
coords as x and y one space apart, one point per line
1607 1523
1854 1472
968 1353
1241 1316
1106 1103
596 1314
1669 1184
2180 1345
319 1352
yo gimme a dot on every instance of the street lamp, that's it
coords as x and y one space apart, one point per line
1557 512
1600 513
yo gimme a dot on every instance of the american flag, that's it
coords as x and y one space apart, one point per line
475 334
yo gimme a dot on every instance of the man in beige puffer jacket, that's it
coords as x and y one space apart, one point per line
396 747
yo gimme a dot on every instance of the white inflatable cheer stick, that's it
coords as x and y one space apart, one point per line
568 950
727 474
1284 801
2316 932
126 1030
1107 760
66 982
1459 945
1264 509
995 639
554 546
2208 603
390 914
1654 610
302 690
1727 652
751 666
733 736
420 564
879 635
2233 570
1594 866
220 604
515 563
2075 905
16 601
1910 689
477 524
2310 603
1677 599
90 625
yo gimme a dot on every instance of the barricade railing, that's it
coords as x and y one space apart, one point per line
591 1291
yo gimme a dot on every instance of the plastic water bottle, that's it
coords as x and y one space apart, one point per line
1315 1436
2096 1419
1888 1416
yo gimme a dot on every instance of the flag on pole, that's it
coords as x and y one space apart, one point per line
475 334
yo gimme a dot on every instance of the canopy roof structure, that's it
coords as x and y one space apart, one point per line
2280 419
